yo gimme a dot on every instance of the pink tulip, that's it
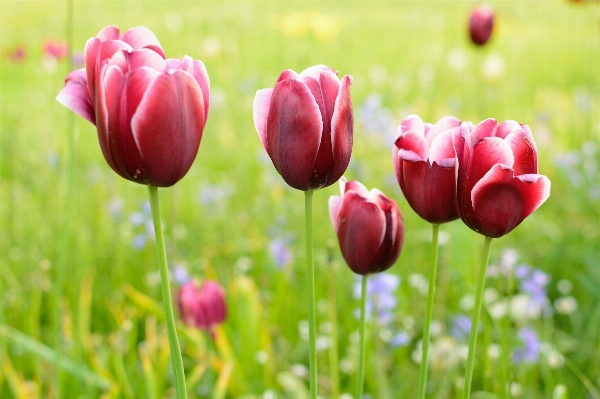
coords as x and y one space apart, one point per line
369 227
305 124
481 25
55 49
424 160
202 307
149 112
497 182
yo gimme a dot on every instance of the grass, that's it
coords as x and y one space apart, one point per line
416 58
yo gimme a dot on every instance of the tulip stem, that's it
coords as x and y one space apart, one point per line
429 314
361 329
310 276
485 256
176 359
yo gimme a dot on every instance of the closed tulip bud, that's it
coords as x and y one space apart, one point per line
305 124
369 227
202 307
497 184
424 161
149 111
481 25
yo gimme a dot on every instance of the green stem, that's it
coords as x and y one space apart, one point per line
361 331
310 276
429 314
176 359
485 256
333 348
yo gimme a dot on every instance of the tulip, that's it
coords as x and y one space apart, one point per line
305 124
425 165
481 25
202 307
497 186
497 181
370 231
424 161
149 112
369 227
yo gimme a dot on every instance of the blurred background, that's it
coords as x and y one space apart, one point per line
79 283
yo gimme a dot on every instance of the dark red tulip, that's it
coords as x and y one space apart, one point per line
481 25
424 160
369 227
149 112
202 307
497 184
305 124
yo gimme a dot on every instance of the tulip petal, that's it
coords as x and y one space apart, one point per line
445 123
167 126
412 123
442 149
316 70
123 97
362 226
287 74
109 32
524 154
148 58
330 88
140 37
324 161
113 76
90 54
294 128
502 201
413 147
260 110
506 127
335 201
201 76
393 238
75 95
484 129
342 128
357 187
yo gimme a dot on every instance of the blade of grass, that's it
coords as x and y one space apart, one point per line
34 347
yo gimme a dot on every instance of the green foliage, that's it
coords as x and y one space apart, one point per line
540 68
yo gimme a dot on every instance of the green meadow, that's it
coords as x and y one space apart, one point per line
80 301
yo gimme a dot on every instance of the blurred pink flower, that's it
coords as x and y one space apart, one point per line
57 50
17 54
203 307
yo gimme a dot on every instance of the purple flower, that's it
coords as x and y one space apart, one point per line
533 283
180 275
280 252
381 298
461 327
530 351
376 119
400 339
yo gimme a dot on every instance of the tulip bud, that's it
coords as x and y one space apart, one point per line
305 124
497 181
149 111
369 227
424 161
202 307
481 25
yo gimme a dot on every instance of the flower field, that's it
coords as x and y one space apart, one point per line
81 301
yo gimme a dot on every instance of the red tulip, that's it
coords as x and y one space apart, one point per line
481 25
305 124
149 112
202 307
369 227
424 160
497 182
